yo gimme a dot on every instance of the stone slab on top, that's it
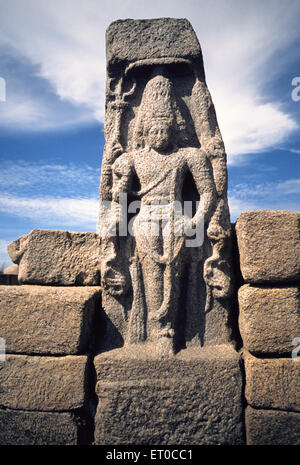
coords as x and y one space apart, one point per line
131 40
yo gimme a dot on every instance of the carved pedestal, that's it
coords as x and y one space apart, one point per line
191 398
169 374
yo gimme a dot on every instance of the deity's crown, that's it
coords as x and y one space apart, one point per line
158 104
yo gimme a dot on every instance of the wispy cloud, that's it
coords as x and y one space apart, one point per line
274 195
37 177
49 195
31 102
264 129
239 40
274 189
46 195
49 211
237 206
36 113
4 257
291 186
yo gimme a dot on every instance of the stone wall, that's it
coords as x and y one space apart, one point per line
46 379
269 323
52 326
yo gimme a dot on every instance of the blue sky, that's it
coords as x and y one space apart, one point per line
51 124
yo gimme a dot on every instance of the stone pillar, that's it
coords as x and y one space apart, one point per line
165 247
164 151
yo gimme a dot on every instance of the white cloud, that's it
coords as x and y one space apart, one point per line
27 202
270 196
30 103
52 211
4 257
18 176
265 126
271 189
35 114
65 39
237 206
291 186
49 196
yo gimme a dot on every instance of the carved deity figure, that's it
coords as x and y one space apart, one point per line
160 167
166 280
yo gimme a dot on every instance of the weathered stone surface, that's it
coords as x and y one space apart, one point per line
270 427
163 148
43 383
57 257
194 397
13 269
269 318
272 383
133 40
48 320
269 246
19 427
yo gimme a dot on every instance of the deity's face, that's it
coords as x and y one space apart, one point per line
159 135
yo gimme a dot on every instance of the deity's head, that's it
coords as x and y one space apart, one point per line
159 121
159 134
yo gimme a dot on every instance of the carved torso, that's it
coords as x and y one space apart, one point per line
161 176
